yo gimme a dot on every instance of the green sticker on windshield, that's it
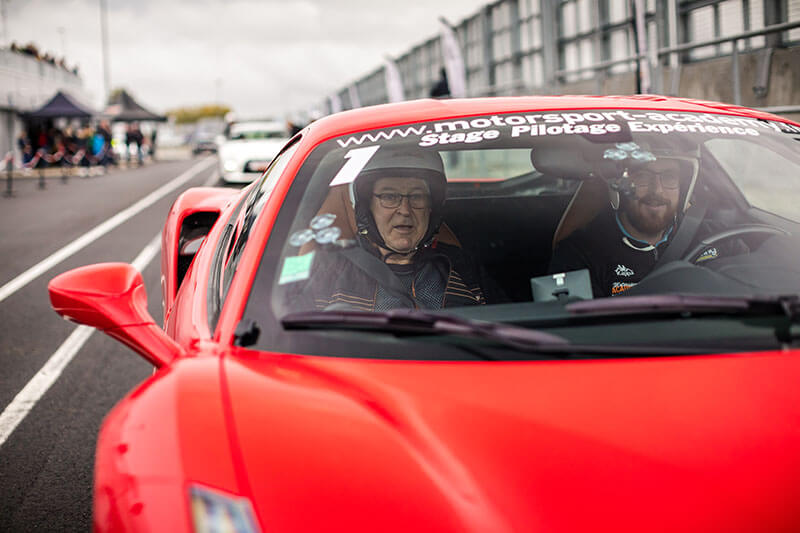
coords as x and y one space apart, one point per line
296 268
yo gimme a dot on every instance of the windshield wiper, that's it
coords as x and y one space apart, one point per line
687 303
409 322
646 306
413 322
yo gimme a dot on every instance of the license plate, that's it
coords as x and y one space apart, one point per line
258 166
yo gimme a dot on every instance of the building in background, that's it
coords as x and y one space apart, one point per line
744 52
28 79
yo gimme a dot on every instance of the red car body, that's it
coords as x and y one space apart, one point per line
690 443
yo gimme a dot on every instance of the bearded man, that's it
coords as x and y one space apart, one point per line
622 245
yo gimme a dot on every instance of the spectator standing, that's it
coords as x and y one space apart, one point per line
25 147
442 88
83 147
42 140
105 156
97 146
70 140
153 135
138 139
128 141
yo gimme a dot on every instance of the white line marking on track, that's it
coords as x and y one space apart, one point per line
27 398
98 231
148 253
212 179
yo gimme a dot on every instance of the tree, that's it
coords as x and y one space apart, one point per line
190 115
115 94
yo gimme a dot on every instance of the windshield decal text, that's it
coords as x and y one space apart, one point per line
378 136
592 123
478 129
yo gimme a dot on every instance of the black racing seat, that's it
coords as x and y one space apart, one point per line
589 200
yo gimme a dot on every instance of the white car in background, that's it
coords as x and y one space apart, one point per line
249 148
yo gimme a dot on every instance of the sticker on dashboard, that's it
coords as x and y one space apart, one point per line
296 268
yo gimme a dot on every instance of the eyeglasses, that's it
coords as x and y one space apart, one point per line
416 200
646 178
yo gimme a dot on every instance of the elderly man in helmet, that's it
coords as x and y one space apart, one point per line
398 261
621 245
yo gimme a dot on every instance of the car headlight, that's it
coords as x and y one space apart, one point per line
230 165
216 512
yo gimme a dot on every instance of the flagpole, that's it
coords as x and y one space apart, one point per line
453 60
104 36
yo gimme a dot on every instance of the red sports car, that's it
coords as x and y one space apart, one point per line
501 314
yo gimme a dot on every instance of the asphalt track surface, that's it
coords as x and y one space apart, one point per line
47 461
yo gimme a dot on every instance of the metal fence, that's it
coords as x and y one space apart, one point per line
514 47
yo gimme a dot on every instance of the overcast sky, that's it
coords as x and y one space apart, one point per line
262 57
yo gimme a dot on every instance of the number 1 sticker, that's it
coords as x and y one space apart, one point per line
357 159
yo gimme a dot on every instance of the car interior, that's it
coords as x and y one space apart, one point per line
509 227
488 226
510 237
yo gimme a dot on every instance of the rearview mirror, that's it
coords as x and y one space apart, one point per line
112 298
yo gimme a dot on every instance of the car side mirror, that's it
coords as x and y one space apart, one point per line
112 298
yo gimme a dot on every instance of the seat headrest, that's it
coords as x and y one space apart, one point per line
589 200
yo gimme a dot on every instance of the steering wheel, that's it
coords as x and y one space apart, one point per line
731 233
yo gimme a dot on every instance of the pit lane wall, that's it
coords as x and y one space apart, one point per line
734 51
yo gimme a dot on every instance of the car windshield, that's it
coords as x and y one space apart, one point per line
515 218
251 132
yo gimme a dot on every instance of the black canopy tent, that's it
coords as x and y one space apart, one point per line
123 108
61 105
39 124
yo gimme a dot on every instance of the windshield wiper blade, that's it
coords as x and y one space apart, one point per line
525 340
407 321
646 306
687 303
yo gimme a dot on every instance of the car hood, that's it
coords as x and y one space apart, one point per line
695 443
253 149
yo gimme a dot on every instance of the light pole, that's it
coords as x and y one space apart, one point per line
104 36
3 16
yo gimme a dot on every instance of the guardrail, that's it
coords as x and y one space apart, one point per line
674 51
737 82
63 165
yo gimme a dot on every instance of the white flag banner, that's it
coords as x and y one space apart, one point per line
453 60
641 35
394 84
355 101
336 103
